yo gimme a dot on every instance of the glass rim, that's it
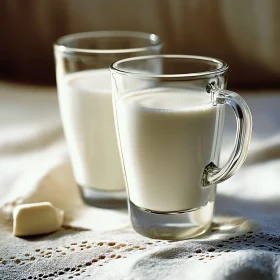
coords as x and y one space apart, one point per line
221 69
60 42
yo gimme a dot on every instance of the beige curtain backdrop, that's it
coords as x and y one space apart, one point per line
244 33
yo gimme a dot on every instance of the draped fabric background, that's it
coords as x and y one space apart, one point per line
246 34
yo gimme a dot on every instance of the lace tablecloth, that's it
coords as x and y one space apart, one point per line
243 243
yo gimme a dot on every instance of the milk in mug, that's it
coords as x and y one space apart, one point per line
167 138
87 115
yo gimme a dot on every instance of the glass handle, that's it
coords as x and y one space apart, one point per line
213 174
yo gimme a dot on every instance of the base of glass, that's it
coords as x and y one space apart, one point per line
103 199
171 225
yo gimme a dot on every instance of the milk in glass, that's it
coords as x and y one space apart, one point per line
167 137
87 115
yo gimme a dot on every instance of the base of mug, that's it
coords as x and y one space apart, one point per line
103 199
171 225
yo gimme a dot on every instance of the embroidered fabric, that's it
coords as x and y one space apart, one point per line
57 256
243 242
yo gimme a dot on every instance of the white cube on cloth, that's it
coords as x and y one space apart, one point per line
36 218
243 243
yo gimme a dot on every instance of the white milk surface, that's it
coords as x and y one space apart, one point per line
167 137
87 115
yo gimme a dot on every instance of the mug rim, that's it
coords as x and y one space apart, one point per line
154 40
222 67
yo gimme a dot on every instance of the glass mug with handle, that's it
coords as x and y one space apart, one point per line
85 101
169 114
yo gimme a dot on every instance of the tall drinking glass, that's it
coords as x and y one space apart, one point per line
85 100
169 112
